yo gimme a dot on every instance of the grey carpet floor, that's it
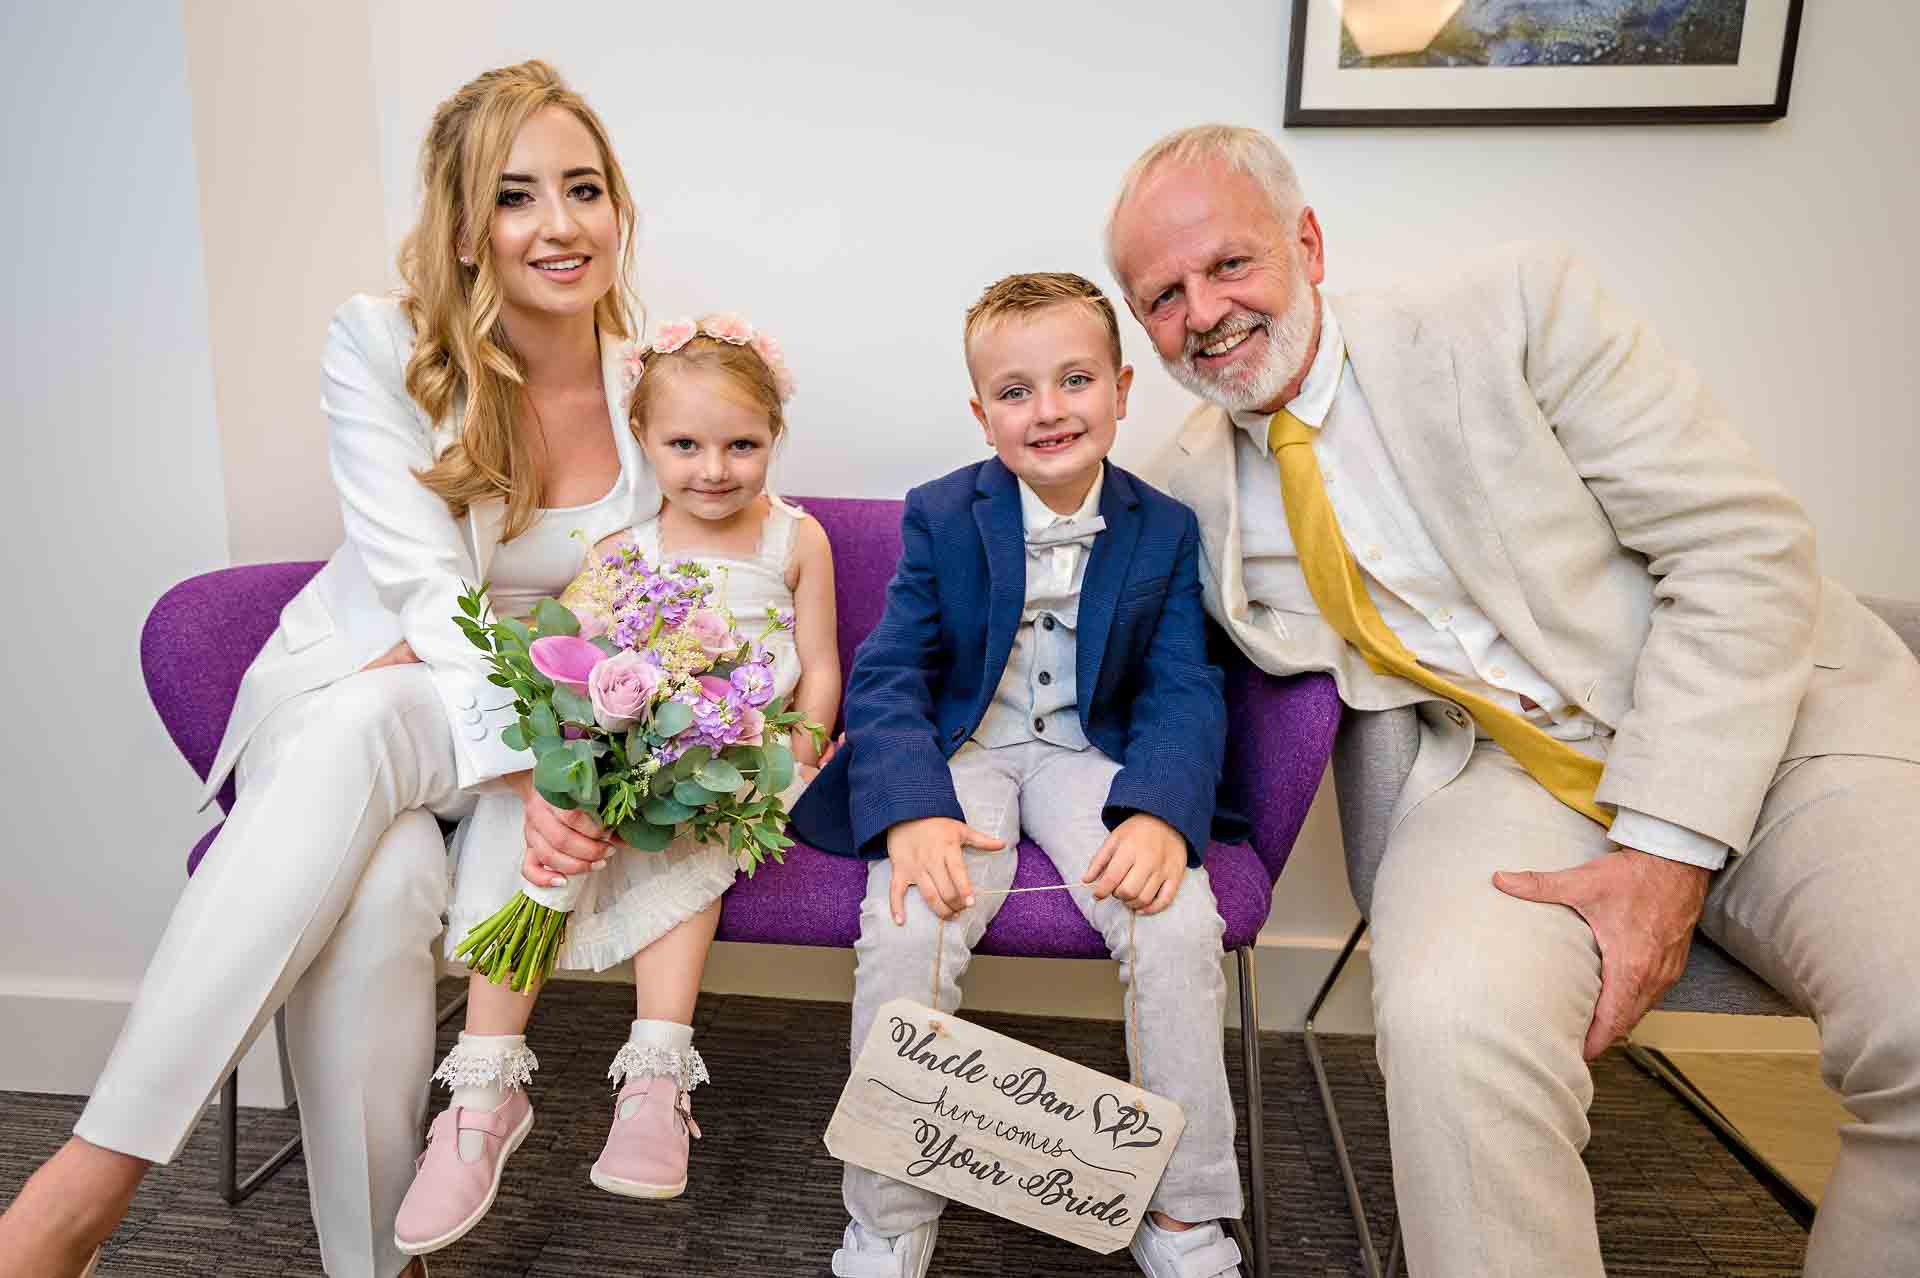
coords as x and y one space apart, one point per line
764 1197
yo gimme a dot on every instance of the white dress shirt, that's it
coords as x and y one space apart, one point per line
1418 596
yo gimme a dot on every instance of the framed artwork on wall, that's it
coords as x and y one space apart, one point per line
1420 62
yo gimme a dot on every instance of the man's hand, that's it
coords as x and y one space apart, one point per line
1141 862
559 842
927 853
1642 909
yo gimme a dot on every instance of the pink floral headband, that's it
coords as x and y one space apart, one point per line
723 327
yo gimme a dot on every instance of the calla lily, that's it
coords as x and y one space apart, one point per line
566 659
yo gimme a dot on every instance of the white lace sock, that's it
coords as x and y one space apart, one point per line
483 1070
664 1048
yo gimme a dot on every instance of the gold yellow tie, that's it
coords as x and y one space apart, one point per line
1337 586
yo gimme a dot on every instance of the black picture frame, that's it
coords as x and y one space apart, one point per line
1296 116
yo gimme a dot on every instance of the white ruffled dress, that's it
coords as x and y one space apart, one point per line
640 896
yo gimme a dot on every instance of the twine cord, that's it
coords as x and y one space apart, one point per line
1133 952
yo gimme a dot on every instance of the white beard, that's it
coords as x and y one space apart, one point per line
1288 338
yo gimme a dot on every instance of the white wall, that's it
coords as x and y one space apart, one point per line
112 494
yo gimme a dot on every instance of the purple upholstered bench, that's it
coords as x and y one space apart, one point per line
202 634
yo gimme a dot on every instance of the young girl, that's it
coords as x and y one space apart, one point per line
707 410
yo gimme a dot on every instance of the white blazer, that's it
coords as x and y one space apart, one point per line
405 559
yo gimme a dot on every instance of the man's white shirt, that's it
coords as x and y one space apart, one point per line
1418 596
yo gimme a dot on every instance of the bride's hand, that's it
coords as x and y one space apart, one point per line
559 843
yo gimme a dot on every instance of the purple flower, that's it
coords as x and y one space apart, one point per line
753 685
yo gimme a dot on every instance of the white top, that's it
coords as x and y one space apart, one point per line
540 562
1418 596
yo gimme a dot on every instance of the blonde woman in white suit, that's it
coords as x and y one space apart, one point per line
476 420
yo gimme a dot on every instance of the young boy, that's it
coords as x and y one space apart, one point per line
1041 668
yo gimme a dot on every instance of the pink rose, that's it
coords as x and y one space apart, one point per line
752 727
671 337
728 327
632 363
713 633
621 688
566 659
774 358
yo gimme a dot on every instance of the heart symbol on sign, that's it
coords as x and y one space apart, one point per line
1124 1120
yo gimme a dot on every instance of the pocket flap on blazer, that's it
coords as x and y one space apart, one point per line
305 620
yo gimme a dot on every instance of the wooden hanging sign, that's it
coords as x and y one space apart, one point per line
986 1120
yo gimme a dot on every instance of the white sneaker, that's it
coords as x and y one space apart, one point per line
1204 1251
867 1255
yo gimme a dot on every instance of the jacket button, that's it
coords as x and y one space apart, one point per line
477 733
1045 678
1039 725
1046 623
473 716
469 701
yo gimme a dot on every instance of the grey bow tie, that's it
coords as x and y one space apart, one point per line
1073 532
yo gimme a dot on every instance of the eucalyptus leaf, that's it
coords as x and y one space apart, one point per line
545 722
553 772
553 618
663 782
720 776
672 718
572 707
605 645
778 773
645 836
665 811
691 762
552 743
518 630
513 738
693 794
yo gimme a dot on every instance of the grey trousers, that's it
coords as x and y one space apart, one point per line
1482 1001
1055 795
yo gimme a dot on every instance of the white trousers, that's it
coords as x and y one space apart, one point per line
1482 1001
324 892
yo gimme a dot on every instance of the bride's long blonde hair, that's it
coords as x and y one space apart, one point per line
459 345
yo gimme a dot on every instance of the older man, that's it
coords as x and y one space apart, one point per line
1498 498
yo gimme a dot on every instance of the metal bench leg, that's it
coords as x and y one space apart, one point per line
232 1188
1252 1233
1369 1256
1785 1192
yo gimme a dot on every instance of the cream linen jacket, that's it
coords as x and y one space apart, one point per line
1592 499
405 559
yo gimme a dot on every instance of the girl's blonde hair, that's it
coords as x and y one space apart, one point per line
741 365
460 348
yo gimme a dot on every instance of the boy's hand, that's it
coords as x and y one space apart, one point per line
1141 862
927 853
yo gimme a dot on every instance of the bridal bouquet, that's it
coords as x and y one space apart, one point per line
643 703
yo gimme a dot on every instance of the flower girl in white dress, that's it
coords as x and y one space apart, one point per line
707 409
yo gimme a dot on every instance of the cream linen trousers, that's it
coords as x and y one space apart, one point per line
323 892
1481 1002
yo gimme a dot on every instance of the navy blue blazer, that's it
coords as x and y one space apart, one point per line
924 678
